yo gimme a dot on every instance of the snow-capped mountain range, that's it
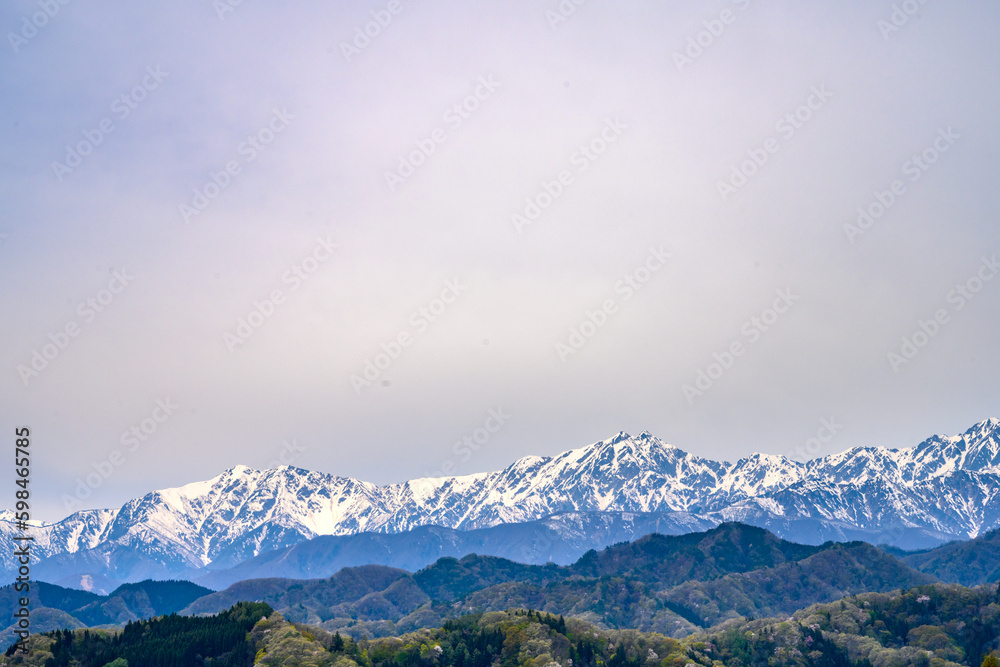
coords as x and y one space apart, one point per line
945 488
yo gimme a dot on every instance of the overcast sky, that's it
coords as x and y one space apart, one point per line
586 218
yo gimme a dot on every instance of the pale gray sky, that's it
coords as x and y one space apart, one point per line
615 122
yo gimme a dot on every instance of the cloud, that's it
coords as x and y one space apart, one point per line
205 126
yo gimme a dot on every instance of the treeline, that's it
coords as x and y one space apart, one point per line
167 641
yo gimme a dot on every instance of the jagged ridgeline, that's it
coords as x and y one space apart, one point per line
167 641
245 523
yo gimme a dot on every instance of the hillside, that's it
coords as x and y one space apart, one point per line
939 625
675 585
54 607
669 584
560 538
167 641
942 625
972 562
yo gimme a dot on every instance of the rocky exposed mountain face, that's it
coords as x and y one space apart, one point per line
943 489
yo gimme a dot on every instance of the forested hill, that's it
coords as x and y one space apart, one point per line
166 641
675 585
54 607
939 625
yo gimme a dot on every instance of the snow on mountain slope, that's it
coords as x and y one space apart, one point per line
82 530
947 487
756 476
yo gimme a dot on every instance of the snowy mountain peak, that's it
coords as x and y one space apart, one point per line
983 445
760 473
947 487
643 441
622 436
977 449
991 425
